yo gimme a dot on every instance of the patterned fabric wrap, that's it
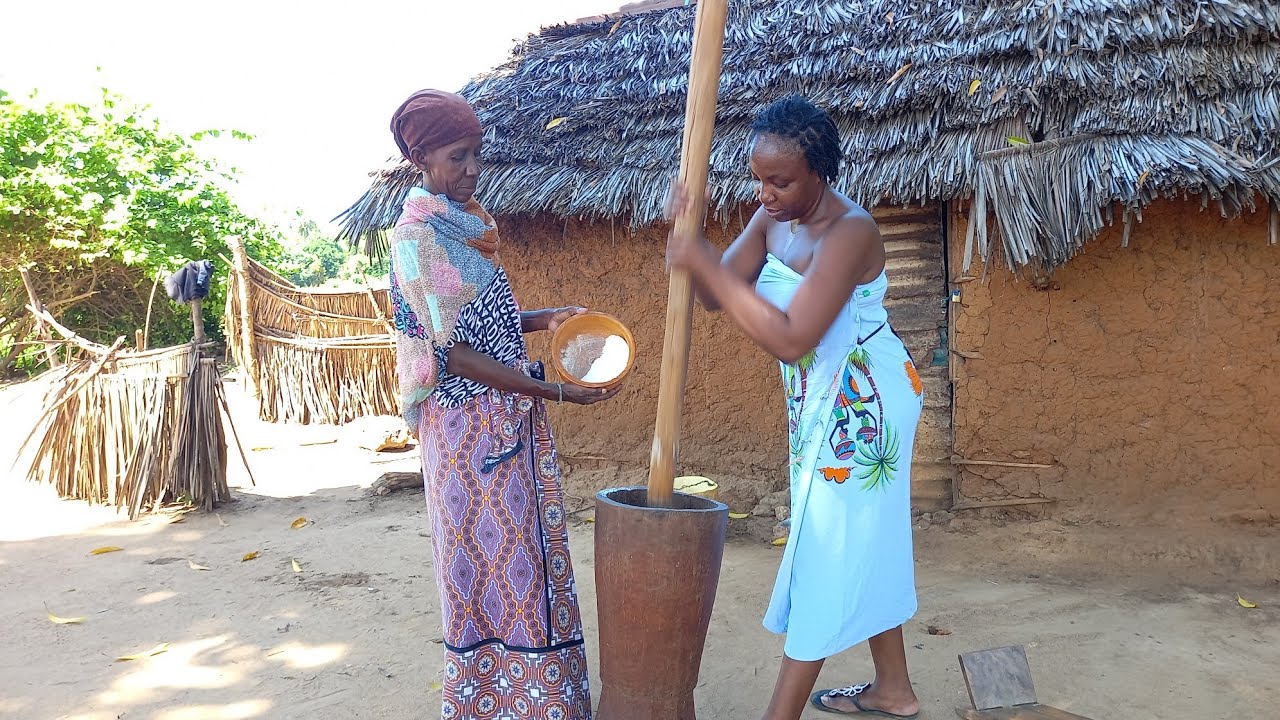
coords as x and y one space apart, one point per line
437 269
512 627
853 405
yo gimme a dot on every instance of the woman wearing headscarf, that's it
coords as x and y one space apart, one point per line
806 281
512 629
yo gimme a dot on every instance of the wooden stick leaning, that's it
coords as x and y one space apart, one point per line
51 352
69 391
146 329
699 126
226 410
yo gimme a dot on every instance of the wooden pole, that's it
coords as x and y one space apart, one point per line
699 125
151 301
1000 463
1011 502
197 321
959 234
244 296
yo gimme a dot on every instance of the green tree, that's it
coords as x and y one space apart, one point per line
317 261
360 269
98 200
314 259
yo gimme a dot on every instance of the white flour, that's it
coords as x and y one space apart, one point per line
612 361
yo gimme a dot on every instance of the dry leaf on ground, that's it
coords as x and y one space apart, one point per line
62 620
162 647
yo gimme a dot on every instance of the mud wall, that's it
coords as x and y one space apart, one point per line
1148 377
734 421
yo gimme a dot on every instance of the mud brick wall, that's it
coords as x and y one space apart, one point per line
1148 376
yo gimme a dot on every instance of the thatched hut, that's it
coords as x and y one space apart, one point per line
1054 179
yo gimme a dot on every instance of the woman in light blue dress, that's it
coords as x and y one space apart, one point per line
806 281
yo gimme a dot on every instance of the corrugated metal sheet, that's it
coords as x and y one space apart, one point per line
914 245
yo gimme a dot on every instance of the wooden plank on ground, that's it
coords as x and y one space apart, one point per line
1026 712
999 678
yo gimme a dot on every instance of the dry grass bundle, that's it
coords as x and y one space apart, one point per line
333 381
316 356
134 430
198 463
335 302
284 314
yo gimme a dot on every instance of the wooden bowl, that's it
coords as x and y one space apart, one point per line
592 324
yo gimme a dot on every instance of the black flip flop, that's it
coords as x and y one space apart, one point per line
816 701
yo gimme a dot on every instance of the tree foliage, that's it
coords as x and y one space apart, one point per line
313 258
98 200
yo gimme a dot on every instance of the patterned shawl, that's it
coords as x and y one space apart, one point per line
442 255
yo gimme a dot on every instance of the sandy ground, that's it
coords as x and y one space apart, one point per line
1116 624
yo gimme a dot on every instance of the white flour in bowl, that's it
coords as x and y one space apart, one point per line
596 359
612 361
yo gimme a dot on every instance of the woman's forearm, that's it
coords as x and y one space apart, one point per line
701 292
532 321
743 260
704 295
765 324
465 361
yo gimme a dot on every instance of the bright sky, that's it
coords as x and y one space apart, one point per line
316 83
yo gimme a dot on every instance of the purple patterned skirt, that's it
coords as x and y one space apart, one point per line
512 629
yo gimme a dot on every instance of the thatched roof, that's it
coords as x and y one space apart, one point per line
1146 98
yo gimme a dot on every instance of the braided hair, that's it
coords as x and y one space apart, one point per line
810 127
